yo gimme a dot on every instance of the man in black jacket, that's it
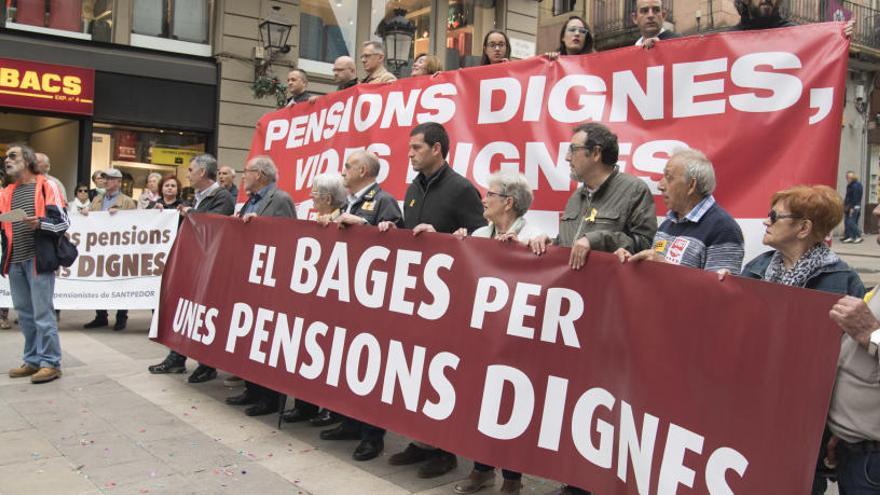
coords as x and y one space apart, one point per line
368 204
297 82
760 14
211 197
438 200
649 17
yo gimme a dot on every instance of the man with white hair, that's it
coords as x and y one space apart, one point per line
373 60
697 232
266 200
226 178
44 165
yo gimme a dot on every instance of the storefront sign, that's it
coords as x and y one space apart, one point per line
765 106
120 263
623 379
172 156
55 88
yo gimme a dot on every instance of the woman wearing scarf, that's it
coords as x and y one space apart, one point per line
798 223
506 202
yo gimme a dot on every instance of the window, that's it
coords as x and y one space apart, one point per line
326 30
185 24
563 6
84 19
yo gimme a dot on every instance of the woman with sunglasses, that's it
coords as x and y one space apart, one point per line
574 39
799 221
80 201
496 48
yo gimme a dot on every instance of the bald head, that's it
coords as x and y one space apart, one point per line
43 164
344 70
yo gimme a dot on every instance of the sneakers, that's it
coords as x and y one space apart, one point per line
22 371
4 324
475 482
848 240
858 240
45 375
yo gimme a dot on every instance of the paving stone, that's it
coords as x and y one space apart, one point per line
45 476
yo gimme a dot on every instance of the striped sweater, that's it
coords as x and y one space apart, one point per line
707 238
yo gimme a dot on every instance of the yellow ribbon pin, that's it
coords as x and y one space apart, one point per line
592 217
412 203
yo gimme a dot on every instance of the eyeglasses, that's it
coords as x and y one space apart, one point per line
368 55
490 194
497 46
251 170
586 146
773 216
12 155
577 30
82 190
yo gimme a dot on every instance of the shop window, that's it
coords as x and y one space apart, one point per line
468 22
326 30
84 19
563 6
138 152
417 11
180 22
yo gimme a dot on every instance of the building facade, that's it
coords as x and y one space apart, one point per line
173 78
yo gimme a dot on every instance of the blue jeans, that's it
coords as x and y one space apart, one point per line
858 473
32 299
851 224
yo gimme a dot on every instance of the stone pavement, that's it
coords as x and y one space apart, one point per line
108 426
864 258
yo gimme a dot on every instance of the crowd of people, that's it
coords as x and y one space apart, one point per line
610 211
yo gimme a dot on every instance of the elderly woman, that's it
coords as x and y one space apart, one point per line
426 65
506 202
151 193
329 197
496 48
799 220
170 194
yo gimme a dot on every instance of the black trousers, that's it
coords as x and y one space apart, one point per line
121 314
368 431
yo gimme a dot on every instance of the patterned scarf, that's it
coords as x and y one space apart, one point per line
804 269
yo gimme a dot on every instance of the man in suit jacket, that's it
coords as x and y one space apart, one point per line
266 200
649 16
368 204
211 197
111 200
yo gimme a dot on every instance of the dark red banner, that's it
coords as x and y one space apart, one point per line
618 378
55 88
765 106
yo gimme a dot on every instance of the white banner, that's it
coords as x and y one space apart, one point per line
120 264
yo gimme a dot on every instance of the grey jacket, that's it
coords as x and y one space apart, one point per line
620 214
276 203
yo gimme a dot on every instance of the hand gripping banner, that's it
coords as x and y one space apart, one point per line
765 107
635 378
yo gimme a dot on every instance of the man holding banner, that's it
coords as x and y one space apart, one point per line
30 260
438 200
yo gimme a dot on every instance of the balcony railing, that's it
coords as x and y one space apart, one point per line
612 21
867 28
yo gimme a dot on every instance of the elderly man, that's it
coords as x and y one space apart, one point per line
226 178
111 200
368 204
98 179
297 81
210 198
437 200
30 261
44 165
697 232
852 417
265 200
373 60
649 17
610 210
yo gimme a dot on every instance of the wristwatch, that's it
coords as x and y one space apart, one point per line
874 343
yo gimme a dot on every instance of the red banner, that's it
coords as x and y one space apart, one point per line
56 88
765 106
618 378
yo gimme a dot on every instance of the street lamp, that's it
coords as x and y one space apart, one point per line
274 32
397 33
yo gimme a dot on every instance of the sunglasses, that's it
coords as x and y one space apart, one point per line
773 216
12 155
82 190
